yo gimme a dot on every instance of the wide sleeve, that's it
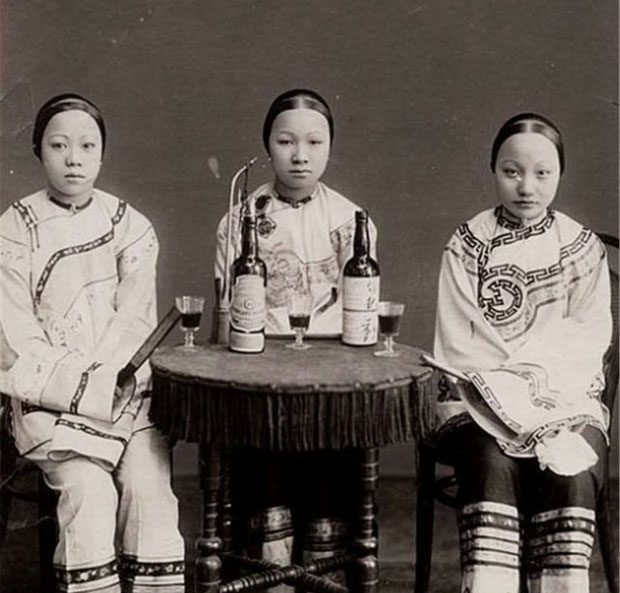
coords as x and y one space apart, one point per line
220 248
222 242
136 306
464 339
572 351
51 377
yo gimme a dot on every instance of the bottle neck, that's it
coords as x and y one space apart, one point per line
361 240
249 239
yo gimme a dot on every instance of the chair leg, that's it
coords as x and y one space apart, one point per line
7 466
425 511
5 505
523 577
48 536
607 539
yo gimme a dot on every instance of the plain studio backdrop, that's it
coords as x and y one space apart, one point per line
418 90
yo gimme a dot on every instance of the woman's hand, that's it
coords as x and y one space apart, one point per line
125 391
8 356
123 396
458 387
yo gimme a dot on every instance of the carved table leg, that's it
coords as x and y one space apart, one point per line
225 517
208 563
365 577
225 525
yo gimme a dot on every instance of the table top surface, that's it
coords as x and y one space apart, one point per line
327 365
330 396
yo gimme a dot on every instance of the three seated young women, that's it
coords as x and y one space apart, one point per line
523 309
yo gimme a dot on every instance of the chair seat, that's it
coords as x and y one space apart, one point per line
14 471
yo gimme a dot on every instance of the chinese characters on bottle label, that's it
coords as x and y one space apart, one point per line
359 321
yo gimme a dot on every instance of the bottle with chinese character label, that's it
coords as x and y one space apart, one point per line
248 309
360 289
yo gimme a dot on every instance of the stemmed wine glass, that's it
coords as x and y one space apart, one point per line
390 314
190 308
299 307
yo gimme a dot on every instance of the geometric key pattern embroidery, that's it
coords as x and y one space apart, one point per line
507 294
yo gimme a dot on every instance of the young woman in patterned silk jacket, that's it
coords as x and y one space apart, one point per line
524 313
77 285
305 236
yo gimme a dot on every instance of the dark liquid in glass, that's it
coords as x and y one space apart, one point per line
190 320
388 324
301 321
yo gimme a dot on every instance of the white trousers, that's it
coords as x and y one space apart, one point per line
118 528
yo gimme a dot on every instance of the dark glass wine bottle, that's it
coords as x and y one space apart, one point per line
361 279
248 310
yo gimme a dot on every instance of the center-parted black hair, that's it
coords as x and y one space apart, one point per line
528 123
57 104
297 99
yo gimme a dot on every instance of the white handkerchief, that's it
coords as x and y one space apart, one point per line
565 453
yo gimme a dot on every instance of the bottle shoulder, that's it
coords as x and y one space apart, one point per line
255 266
361 267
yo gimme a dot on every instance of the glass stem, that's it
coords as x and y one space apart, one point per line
389 344
299 336
189 338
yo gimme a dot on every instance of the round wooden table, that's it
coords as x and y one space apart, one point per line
330 396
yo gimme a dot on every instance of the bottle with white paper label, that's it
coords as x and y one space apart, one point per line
361 278
248 309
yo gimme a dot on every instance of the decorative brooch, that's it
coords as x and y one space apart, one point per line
265 226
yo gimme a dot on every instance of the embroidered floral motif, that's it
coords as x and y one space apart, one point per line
134 255
266 226
130 567
285 272
86 575
342 237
